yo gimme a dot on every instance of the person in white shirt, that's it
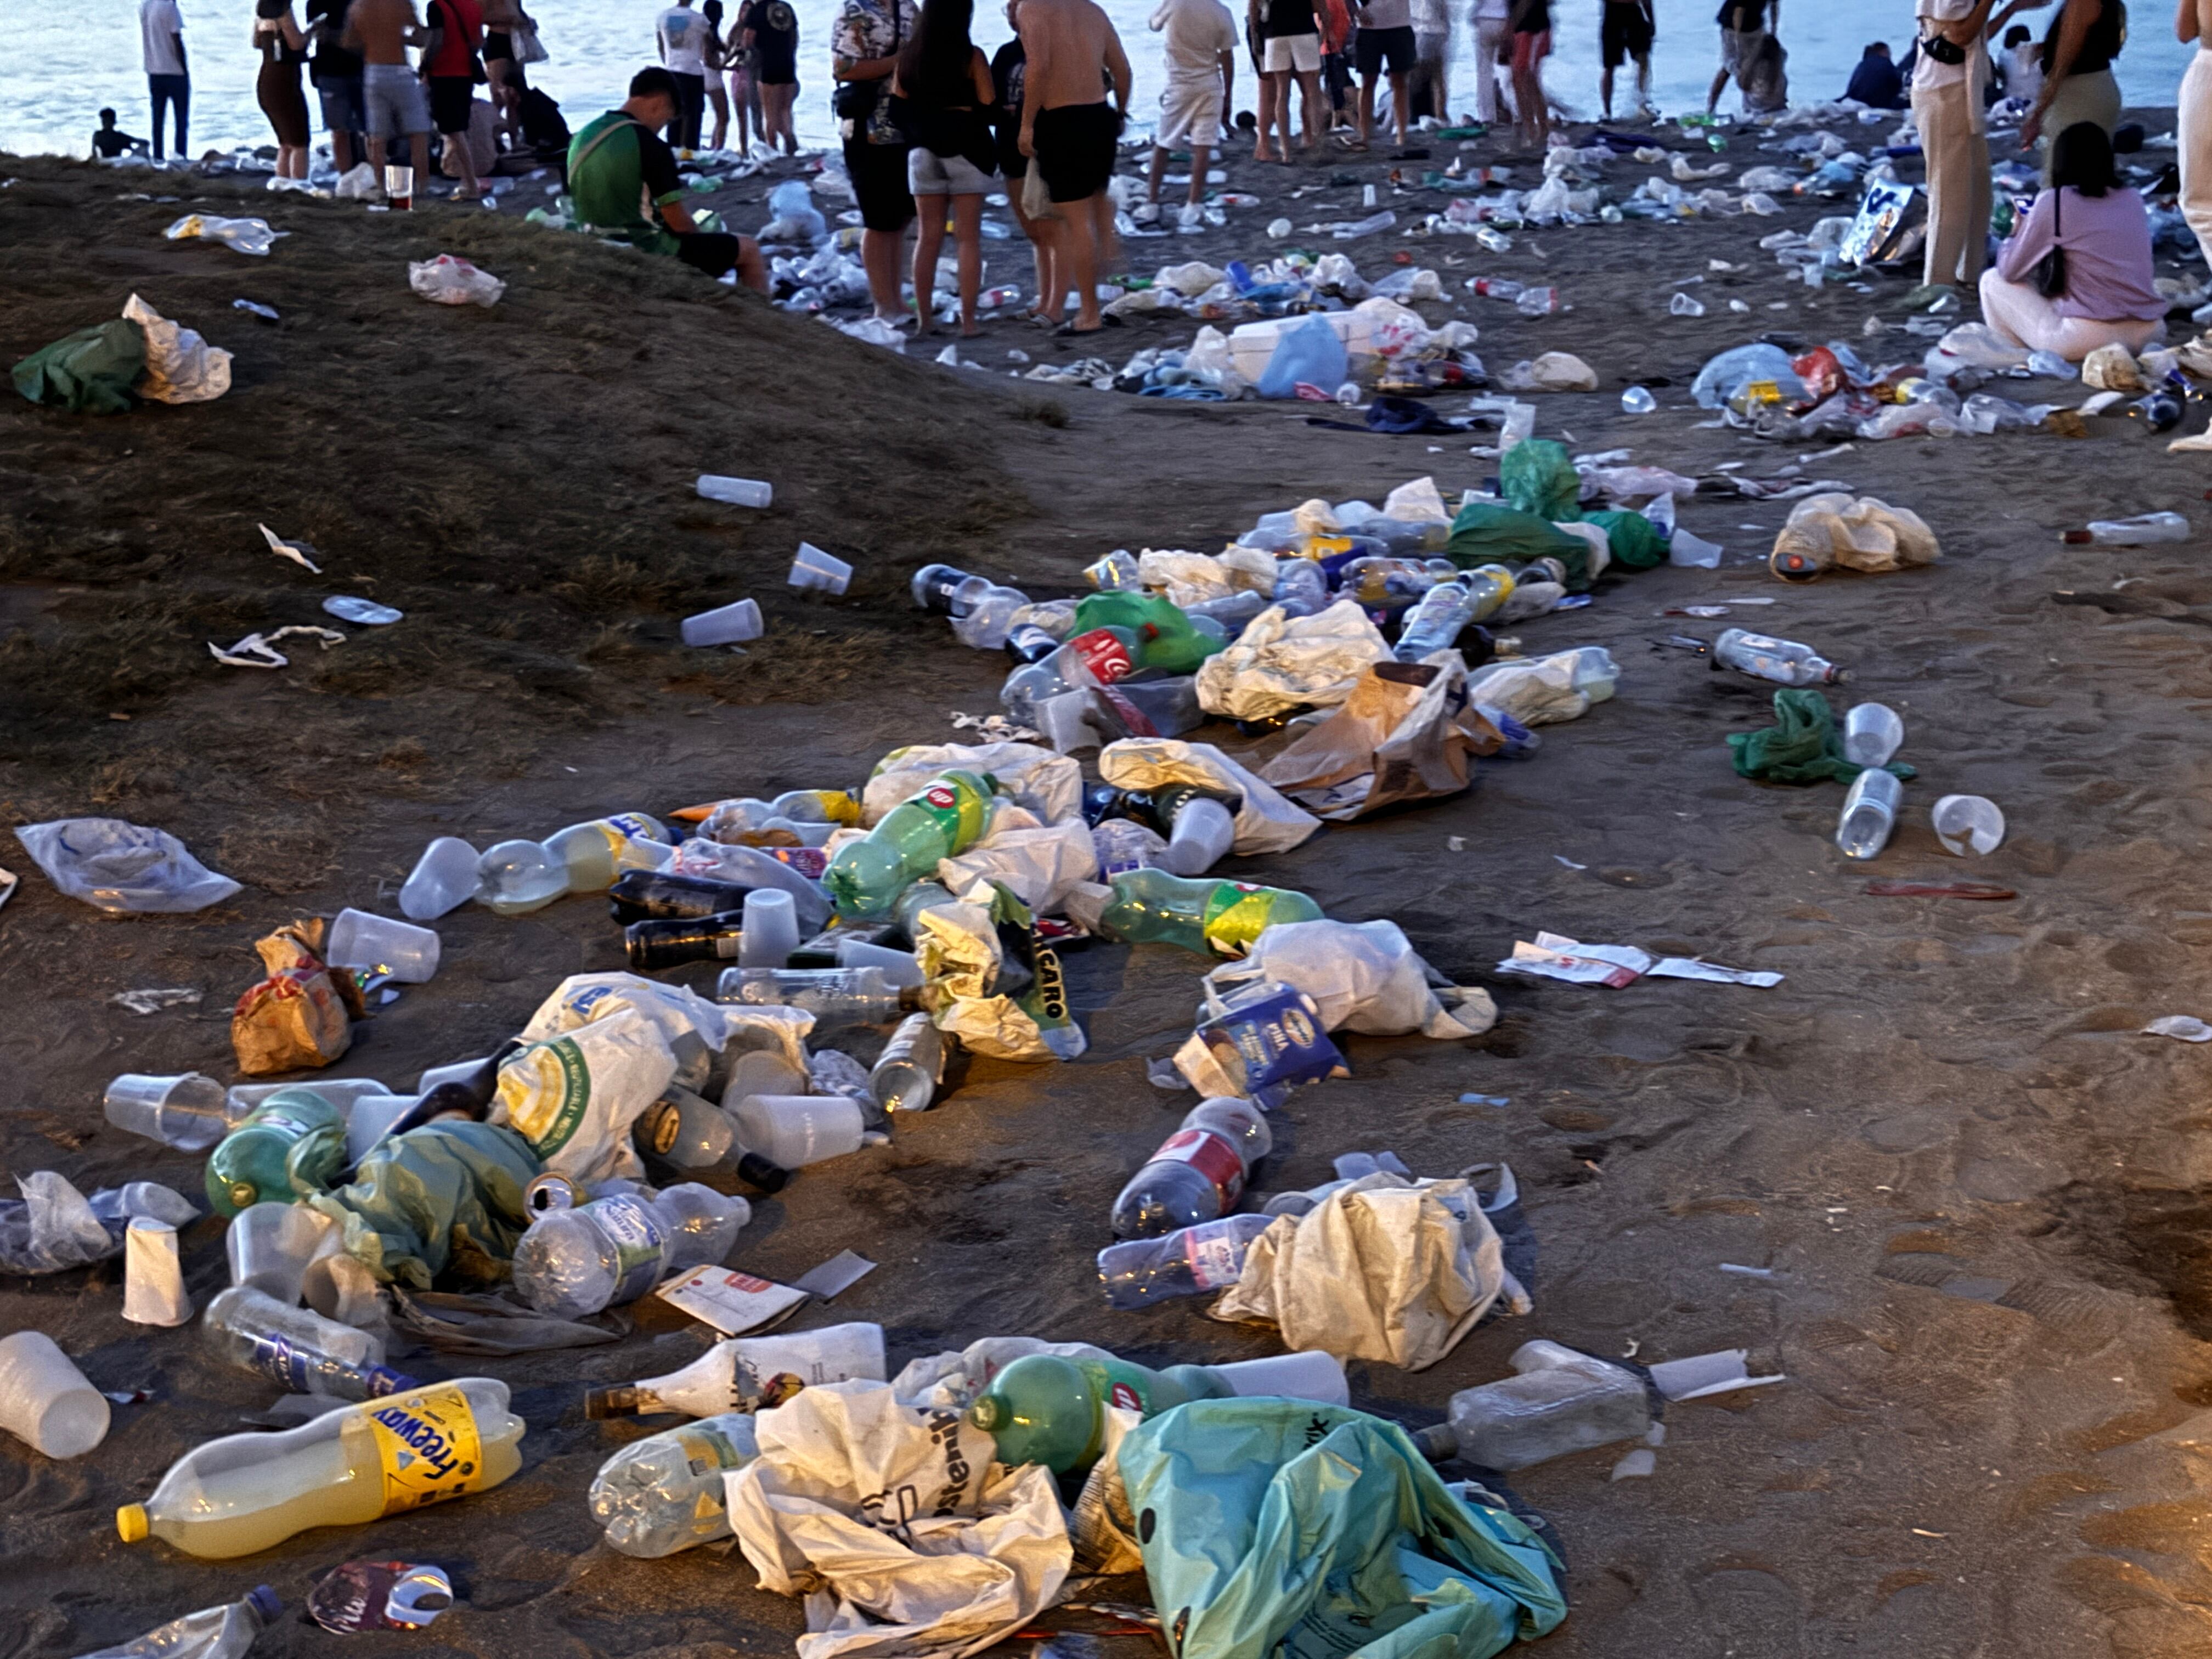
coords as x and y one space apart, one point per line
1494 32
682 35
1200 44
168 81
1948 109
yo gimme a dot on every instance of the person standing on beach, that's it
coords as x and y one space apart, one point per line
943 88
716 56
2078 84
1290 45
681 33
1383 44
168 81
619 162
1200 48
1627 31
284 50
1532 45
451 69
864 48
1745 25
1009 68
1072 134
2192 21
771 30
1952 115
1494 39
392 97
503 67
1430 86
335 72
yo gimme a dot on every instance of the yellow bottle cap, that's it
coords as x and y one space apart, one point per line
130 1522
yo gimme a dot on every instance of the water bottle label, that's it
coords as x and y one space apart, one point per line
546 1091
707 1450
634 1231
428 1445
630 826
1216 1258
1236 913
1102 653
287 1366
1211 1155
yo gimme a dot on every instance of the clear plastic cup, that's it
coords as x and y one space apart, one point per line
271 1243
770 929
901 967
738 492
370 1118
729 624
1872 733
1968 824
762 1072
399 186
152 1279
791 1131
185 1111
447 874
813 568
359 939
45 1400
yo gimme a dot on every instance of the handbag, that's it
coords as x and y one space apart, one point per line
2049 274
1943 50
528 48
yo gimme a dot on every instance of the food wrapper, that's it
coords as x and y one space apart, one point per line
993 981
298 1017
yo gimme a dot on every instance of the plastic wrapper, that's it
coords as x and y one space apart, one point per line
450 280
1050 785
696 1029
991 981
1543 691
1266 820
2111 367
574 1097
1551 371
299 1017
181 368
444 1201
1406 734
123 868
1282 662
1362 976
240 236
1866 534
1038 866
53 1227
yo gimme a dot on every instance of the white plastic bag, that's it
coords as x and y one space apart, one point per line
574 1096
450 280
1364 977
1554 371
950 1381
905 1535
242 236
181 368
123 868
1537 690
1282 662
1038 866
1265 823
1048 785
1416 501
1867 534
359 184
695 1029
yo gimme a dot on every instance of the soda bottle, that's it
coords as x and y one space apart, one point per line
905 1076
947 818
663 1493
649 896
290 1145
835 996
223 1632
248 1493
614 1249
1434 621
1199 1172
1560 1401
1027 642
1099 656
1189 1262
945 590
1152 907
1783 661
297 1348
1385 583
1165 637
671 942
594 852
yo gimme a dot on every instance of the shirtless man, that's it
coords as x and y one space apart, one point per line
1071 51
381 30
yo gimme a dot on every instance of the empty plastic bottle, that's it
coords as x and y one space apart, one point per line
1189 1262
518 877
1115 572
1783 661
1097 656
671 942
983 625
647 895
223 1632
1560 1402
945 590
835 996
738 492
1435 622
747 1373
291 1144
612 1250
1028 642
1199 1172
687 1130
449 873
906 1075
1153 907
1536 301
594 852
2139 531
1200 824
1301 587
297 1348
945 818
248 1493
1390 583
663 1493
1870 813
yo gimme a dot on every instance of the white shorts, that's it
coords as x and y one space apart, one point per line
1190 112
1286 53
928 174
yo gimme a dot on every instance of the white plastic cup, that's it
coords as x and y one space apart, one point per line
341 1287
814 569
791 1131
901 967
343 1092
184 1111
271 1244
399 185
45 1400
152 1279
728 624
1309 1374
770 929
446 875
1968 824
1872 733
359 939
762 1072
1064 722
738 492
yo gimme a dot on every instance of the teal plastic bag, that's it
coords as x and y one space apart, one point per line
91 372
1538 476
1633 540
1309 352
1271 1525
444 1201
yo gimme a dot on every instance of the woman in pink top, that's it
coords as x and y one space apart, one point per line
2103 236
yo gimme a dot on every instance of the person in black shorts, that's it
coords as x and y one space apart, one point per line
1072 134
1624 32
1008 67
1385 40
770 28
864 48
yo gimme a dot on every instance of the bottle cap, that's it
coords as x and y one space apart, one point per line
265 1602
987 1413
130 1524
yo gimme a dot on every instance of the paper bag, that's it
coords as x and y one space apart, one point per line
299 1016
1404 734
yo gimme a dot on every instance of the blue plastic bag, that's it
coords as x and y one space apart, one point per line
792 201
1311 352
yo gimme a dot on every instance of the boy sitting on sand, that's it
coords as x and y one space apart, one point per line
110 141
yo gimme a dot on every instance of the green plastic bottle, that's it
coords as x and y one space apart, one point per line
290 1145
948 817
1165 638
1046 1409
1151 907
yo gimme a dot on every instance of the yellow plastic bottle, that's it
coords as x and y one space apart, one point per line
248 1493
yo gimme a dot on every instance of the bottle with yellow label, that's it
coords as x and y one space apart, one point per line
247 1493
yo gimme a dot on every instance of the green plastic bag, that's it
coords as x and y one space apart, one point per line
443 1199
1490 532
1634 538
1802 746
1538 476
1274 1526
1167 639
90 372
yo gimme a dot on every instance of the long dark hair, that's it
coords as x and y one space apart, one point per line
936 66
2082 157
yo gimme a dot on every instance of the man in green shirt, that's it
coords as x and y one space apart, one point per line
622 178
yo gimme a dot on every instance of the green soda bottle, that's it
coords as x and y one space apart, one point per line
1046 1409
1151 907
290 1145
1165 638
866 876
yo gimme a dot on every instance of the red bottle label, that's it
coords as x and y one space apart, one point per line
1104 655
1212 1157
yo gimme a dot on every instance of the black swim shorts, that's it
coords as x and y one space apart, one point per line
1075 149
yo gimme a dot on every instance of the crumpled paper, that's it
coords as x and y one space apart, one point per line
1281 662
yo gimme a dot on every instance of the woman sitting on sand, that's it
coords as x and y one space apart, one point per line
2102 294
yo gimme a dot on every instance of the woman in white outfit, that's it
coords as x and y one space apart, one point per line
2193 22
1948 82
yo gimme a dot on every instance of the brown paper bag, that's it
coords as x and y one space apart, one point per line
1405 733
300 1016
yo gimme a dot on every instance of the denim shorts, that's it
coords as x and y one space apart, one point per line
930 175
341 104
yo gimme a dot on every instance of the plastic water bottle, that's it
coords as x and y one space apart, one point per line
947 818
835 996
1115 574
518 877
297 1348
223 1632
1189 1262
1154 907
293 1143
1870 813
1231 610
906 1075
249 1492
1560 1401
747 1373
449 873
573 1262
1783 661
2139 531
738 492
1436 620
1199 1172
988 615
1301 588
593 853
663 1493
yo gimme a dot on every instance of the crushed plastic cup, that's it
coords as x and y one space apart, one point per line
152 1279
184 1111
359 939
727 625
738 492
346 608
1683 548
1968 824
813 568
1637 401
45 1400
271 1244
1872 733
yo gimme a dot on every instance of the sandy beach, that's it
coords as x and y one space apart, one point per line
1964 1176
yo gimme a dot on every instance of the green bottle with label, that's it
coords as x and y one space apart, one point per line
292 1144
947 817
1044 1409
